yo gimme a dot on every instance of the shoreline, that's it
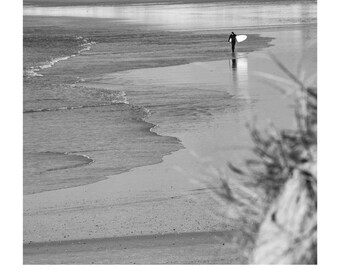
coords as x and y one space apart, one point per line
150 191
166 61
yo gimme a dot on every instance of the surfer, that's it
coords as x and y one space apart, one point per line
232 40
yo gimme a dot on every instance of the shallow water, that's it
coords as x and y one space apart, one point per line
84 119
210 16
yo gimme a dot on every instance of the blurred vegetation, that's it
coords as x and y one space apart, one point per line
277 199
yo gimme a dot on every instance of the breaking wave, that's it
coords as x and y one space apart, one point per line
33 71
109 99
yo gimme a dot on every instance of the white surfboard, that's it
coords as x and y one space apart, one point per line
240 38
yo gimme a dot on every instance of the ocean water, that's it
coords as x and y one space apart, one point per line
79 130
209 16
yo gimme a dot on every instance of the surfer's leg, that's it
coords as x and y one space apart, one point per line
233 47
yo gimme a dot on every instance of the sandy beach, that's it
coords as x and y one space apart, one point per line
165 208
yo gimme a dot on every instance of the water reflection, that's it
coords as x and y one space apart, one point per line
239 84
238 67
191 16
233 62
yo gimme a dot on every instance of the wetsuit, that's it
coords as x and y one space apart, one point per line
232 39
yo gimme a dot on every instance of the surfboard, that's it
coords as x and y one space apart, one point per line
240 38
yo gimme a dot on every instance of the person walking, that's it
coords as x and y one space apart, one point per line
232 40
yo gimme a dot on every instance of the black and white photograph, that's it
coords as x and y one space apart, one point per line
169 132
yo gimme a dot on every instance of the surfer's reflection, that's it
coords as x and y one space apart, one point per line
233 61
239 84
239 72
